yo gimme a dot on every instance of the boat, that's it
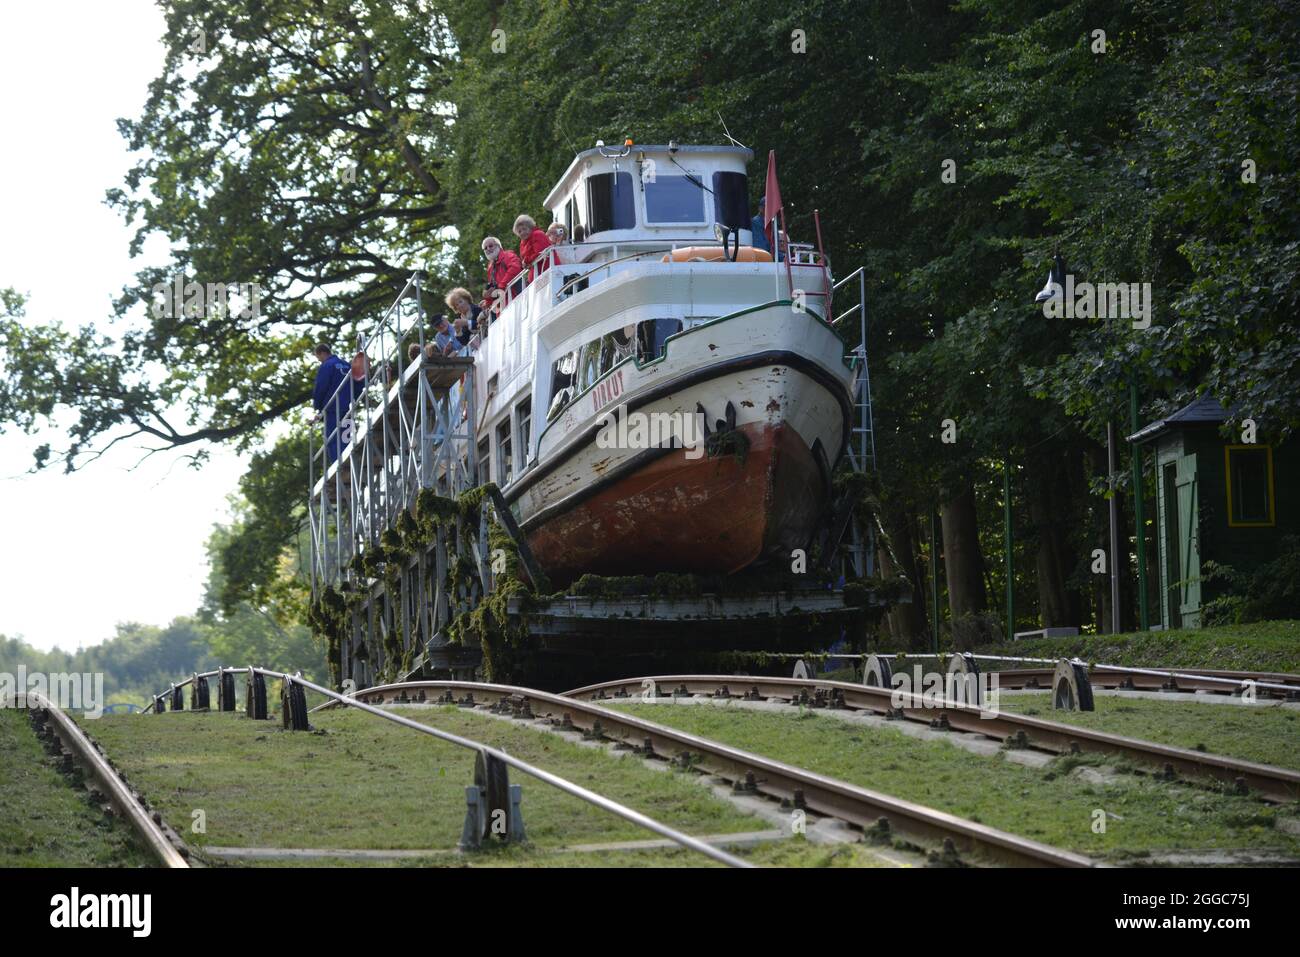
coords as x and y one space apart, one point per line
665 312
662 396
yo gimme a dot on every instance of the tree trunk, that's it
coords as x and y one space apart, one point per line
907 622
963 562
1050 510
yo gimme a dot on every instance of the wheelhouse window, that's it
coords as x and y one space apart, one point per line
674 199
731 200
504 459
1250 484
609 202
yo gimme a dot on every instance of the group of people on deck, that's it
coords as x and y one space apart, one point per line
454 333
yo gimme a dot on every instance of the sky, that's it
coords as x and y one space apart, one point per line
81 553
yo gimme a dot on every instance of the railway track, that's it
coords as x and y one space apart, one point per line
876 813
67 738
491 761
1111 677
1268 782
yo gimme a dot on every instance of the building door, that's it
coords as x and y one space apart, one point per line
1189 534
1171 552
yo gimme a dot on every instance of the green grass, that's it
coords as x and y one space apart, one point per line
1264 733
366 783
795 852
1262 646
1051 805
44 821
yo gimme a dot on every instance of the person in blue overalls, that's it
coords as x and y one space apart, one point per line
327 396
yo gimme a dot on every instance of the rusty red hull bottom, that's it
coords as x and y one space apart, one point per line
711 515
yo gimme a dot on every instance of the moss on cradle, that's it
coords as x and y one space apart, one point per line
415 532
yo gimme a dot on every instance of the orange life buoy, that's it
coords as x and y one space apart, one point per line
746 254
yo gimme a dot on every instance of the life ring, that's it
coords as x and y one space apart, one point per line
699 254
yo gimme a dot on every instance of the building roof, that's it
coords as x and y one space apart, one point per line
1203 411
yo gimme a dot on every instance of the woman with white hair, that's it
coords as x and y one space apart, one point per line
461 303
532 244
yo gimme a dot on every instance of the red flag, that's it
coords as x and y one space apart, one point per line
772 194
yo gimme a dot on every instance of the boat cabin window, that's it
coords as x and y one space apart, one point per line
609 202
731 200
563 373
571 217
524 416
674 199
652 337
504 460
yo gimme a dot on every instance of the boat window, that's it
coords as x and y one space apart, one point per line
651 336
571 218
616 347
731 200
609 202
524 414
674 199
589 364
563 373
503 452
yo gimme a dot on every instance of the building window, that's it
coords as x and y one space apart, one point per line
503 452
674 199
484 462
731 200
524 413
1249 470
609 202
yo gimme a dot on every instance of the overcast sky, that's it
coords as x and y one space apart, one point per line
81 553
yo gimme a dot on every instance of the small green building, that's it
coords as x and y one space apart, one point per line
1221 500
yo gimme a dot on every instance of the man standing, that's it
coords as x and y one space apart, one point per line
331 396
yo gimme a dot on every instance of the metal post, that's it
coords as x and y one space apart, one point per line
1139 524
1006 526
934 578
1114 527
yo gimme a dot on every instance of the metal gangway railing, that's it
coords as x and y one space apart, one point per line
406 424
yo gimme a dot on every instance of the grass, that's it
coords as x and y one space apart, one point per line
44 821
364 783
795 852
1054 805
1263 733
1262 646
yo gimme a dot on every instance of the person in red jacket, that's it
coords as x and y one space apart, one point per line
532 243
503 266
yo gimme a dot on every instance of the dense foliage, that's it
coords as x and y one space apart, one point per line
324 150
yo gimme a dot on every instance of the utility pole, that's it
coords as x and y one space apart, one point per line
1139 524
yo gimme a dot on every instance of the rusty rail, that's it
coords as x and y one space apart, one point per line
1269 782
111 785
824 795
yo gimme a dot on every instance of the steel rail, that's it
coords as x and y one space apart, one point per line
112 786
1270 782
1110 676
562 784
824 795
